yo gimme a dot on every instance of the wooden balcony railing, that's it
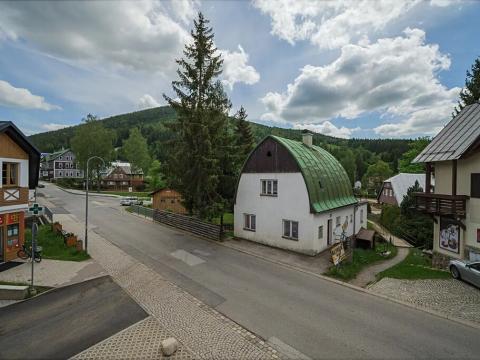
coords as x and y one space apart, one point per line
13 196
440 204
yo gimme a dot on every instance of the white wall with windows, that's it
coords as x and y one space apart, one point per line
283 219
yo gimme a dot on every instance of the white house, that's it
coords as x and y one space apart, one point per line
296 196
395 188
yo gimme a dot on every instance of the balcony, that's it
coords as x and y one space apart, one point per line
13 196
442 205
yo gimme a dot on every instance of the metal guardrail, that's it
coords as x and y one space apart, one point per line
48 214
142 210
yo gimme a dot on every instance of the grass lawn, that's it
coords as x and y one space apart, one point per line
415 266
227 219
361 259
53 246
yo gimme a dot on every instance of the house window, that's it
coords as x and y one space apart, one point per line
10 174
351 218
475 186
290 229
361 216
162 200
60 173
270 187
250 222
320 232
12 230
60 165
337 221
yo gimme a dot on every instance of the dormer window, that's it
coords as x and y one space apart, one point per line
269 187
10 174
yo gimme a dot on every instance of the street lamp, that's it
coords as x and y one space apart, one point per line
86 200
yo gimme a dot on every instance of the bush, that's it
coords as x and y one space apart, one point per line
70 183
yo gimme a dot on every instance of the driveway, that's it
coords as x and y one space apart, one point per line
66 321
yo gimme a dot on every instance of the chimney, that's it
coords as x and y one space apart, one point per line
307 138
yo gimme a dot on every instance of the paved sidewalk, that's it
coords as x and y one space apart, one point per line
367 275
197 326
54 273
451 297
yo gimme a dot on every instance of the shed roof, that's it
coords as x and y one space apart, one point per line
401 182
455 139
327 182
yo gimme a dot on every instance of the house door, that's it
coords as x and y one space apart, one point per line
329 232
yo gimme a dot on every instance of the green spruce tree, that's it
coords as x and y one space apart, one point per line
245 139
470 94
194 167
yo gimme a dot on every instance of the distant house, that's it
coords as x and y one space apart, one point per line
394 189
454 157
169 200
121 176
59 165
19 165
296 196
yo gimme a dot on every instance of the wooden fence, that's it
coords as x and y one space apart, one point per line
183 222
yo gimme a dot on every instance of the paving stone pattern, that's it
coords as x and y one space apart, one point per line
451 297
139 341
194 324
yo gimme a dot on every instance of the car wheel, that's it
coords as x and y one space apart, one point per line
454 271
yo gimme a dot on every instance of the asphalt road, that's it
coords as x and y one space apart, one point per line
66 321
317 317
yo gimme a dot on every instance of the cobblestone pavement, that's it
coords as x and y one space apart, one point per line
451 297
197 326
139 341
54 273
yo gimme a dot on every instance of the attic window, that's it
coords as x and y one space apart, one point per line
320 184
269 153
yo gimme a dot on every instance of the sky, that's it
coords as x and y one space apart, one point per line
350 69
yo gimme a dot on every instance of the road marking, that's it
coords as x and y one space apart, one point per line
187 257
201 252
285 349
98 203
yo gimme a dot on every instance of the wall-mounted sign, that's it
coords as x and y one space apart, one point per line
449 238
13 218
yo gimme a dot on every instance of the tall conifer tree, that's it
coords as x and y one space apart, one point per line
194 165
245 138
470 94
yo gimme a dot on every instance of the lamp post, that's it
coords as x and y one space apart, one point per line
86 200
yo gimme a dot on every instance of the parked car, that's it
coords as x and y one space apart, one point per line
466 270
131 200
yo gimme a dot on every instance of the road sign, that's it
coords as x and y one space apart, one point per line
130 189
36 210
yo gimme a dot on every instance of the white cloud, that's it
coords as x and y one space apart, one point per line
54 126
186 10
397 77
22 98
333 24
142 35
147 101
327 128
236 68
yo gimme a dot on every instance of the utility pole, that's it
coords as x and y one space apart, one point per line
35 210
86 200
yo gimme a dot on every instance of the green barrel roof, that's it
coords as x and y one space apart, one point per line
327 181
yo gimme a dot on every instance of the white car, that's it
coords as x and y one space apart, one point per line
466 270
131 200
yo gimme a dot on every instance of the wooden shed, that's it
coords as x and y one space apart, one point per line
169 200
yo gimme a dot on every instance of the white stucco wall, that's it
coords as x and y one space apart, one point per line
292 203
23 170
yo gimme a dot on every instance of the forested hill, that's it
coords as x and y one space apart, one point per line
151 122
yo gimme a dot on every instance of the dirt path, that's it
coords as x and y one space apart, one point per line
367 275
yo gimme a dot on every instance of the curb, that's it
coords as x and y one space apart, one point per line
89 193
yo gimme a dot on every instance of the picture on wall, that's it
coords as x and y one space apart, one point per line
449 235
